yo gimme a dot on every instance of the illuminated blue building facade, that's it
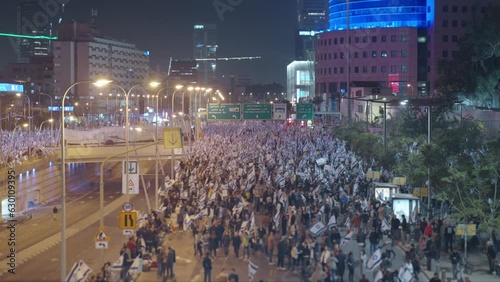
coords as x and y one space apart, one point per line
377 14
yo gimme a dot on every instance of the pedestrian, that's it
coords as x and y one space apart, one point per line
233 277
363 259
226 241
170 262
161 262
435 278
404 229
54 210
207 267
455 262
294 253
236 244
281 254
491 254
270 247
341 265
350 266
127 262
449 235
374 238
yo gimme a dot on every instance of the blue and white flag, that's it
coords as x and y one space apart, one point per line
187 222
280 180
252 269
243 227
380 196
413 216
276 219
385 225
251 175
404 274
348 222
252 224
211 199
317 229
79 272
136 266
117 265
203 213
375 260
332 221
321 211
346 239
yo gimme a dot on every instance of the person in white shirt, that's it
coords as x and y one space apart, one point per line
325 255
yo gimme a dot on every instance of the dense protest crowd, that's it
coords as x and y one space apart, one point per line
18 147
302 181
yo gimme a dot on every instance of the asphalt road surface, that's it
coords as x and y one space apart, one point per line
81 203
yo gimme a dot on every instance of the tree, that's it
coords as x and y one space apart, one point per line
474 72
317 100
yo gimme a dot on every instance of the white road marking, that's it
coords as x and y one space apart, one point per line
111 197
82 202
54 259
183 259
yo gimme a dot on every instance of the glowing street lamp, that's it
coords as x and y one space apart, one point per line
98 83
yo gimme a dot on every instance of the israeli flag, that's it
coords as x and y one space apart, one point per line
385 225
332 221
379 277
201 199
317 229
203 213
346 239
251 175
280 180
136 266
79 272
252 269
348 222
404 275
375 260
117 265
277 219
252 224
413 216
187 222
243 227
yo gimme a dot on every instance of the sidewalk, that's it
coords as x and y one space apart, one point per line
477 259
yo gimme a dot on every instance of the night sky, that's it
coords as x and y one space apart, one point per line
164 27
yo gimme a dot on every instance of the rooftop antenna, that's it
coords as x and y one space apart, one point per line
93 17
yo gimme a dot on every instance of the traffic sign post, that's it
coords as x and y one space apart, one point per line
172 138
101 245
305 111
224 111
101 236
128 220
279 111
133 177
257 111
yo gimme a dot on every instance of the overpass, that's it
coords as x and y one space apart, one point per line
96 154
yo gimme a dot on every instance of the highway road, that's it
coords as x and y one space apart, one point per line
81 204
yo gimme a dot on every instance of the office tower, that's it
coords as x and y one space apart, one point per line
36 18
312 17
205 52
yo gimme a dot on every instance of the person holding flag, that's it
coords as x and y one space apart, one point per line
252 270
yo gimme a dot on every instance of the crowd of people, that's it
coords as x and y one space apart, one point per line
18 146
292 178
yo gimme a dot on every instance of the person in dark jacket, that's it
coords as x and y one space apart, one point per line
281 254
170 262
207 267
341 265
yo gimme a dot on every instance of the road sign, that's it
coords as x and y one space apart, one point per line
101 236
128 207
257 111
172 138
305 111
279 111
224 111
133 184
373 174
128 232
128 220
101 245
132 167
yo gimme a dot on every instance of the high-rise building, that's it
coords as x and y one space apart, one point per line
36 18
395 43
312 17
205 52
183 71
81 53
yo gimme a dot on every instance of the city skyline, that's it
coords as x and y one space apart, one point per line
246 29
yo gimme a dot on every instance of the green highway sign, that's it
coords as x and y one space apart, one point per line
305 111
257 111
224 111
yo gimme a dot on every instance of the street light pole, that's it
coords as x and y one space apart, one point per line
51 110
29 108
63 174
429 131
177 88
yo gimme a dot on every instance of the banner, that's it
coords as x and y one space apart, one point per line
317 229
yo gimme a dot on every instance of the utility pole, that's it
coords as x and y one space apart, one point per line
349 101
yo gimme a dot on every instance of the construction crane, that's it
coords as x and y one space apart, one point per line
230 59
